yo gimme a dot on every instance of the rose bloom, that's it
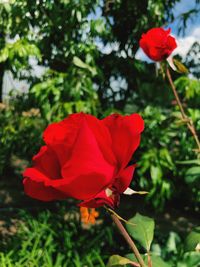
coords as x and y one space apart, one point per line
86 159
158 44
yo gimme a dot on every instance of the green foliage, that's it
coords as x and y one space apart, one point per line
66 30
192 240
21 49
20 134
56 240
79 63
173 253
191 259
155 260
156 161
190 88
60 94
142 231
192 174
165 143
116 261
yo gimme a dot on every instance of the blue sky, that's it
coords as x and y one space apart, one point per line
182 7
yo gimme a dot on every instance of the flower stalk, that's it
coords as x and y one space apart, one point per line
128 239
185 119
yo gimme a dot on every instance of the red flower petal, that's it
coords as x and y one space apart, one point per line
99 200
123 181
87 172
102 136
47 162
125 132
171 43
157 43
60 136
34 186
144 45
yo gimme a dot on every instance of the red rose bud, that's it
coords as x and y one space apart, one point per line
157 44
86 159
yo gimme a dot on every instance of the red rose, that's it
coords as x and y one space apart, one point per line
86 159
158 44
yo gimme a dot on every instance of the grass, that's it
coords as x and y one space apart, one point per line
56 238
52 240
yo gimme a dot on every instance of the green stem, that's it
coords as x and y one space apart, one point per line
128 239
189 122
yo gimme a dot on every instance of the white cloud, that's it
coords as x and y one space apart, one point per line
196 33
140 55
185 43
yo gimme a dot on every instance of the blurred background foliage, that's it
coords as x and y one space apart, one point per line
85 53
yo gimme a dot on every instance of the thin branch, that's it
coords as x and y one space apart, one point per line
185 119
128 239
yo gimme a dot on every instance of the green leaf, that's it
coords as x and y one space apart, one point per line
173 242
192 174
4 54
79 63
78 15
98 26
192 240
143 232
7 6
190 259
193 171
117 260
156 173
192 161
156 260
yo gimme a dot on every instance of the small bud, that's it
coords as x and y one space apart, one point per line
180 67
